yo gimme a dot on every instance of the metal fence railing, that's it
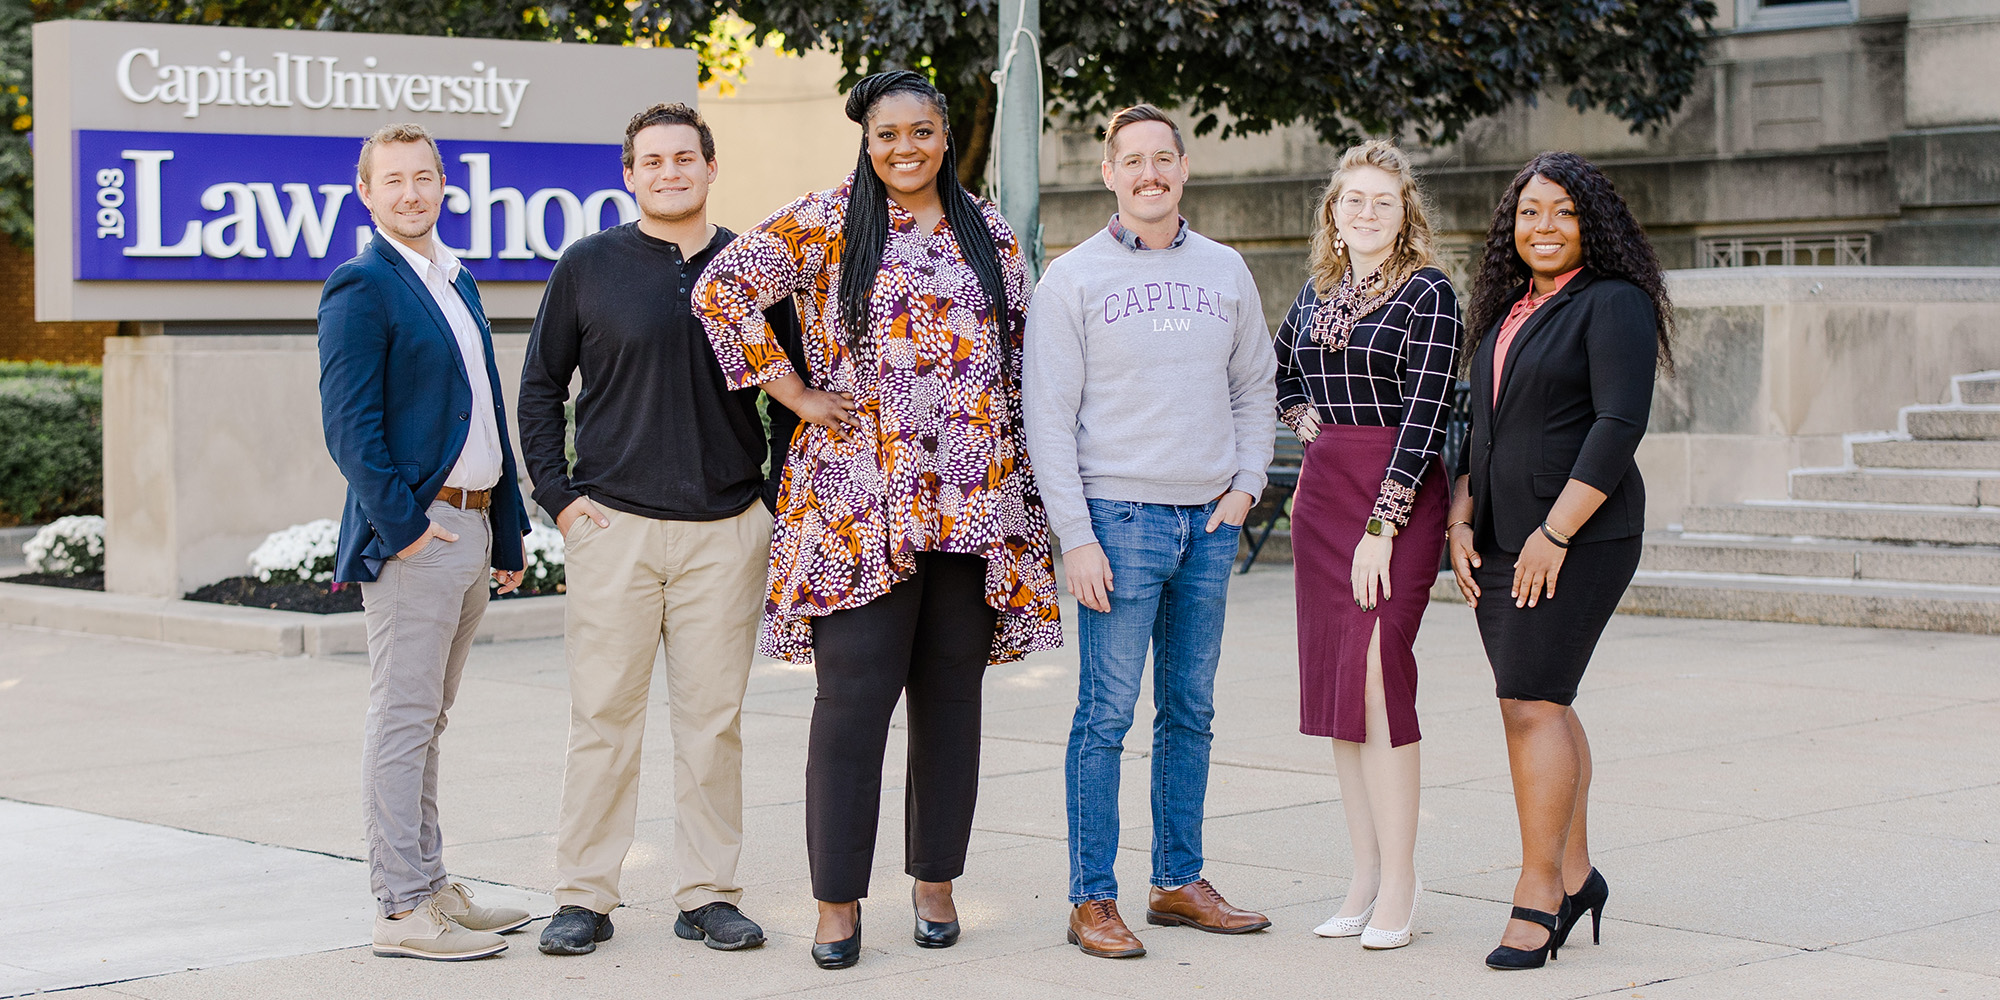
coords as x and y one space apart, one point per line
1824 250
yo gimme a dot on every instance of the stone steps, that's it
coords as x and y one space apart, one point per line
1952 422
1907 535
1901 454
1977 389
1932 487
1672 551
1814 601
1856 521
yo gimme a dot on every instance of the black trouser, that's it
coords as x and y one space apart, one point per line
930 636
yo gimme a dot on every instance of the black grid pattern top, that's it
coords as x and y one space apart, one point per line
1396 371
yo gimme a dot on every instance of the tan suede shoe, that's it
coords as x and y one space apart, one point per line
427 933
1199 906
456 902
1098 930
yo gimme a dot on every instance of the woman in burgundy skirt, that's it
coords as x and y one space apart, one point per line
1365 369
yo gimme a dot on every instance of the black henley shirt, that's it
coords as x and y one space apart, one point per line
658 432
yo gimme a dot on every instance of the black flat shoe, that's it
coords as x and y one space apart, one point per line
933 933
843 953
1591 897
575 930
1504 957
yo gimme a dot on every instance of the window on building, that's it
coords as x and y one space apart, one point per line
1768 14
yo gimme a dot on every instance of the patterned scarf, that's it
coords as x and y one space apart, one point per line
1333 322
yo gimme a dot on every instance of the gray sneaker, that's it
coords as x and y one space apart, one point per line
575 930
456 902
722 924
428 934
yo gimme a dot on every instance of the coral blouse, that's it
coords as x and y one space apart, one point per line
938 464
1517 317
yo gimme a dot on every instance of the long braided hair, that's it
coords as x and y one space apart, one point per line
1613 244
866 229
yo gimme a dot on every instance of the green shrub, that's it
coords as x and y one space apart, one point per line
51 441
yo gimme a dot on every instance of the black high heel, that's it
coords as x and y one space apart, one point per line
1505 957
843 953
1591 897
932 933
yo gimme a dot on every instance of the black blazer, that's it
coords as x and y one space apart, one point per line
1576 389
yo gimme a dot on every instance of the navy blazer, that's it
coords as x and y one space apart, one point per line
397 405
1576 390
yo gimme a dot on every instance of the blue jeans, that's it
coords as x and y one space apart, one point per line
1172 582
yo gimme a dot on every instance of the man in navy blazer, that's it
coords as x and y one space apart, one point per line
410 400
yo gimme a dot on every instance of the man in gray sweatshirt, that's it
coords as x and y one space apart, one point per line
1150 399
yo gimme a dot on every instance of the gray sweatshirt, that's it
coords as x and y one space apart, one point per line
1149 377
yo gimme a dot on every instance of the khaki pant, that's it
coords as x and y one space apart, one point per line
699 586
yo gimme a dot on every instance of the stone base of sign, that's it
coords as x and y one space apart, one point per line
12 540
212 442
222 626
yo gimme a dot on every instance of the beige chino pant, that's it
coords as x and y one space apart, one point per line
698 586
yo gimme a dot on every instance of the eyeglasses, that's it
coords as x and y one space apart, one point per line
1352 204
1134 164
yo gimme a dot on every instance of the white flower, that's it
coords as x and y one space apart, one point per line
543 547
302 553
67 546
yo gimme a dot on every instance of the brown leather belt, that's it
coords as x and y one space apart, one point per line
466 499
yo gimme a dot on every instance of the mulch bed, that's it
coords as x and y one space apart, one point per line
312 598
247 592
81 581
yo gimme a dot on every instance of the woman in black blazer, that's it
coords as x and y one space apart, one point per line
1568 323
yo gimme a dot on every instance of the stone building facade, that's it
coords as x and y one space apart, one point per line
1826 132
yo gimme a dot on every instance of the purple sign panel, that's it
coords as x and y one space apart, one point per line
189 206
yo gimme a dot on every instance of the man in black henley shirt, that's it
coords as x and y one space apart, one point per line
666 536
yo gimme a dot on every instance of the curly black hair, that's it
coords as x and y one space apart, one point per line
1613 244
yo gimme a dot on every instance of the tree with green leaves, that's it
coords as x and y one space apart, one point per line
1347 67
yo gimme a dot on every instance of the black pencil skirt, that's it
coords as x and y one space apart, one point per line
1539 653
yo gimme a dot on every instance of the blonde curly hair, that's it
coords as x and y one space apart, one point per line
1412 250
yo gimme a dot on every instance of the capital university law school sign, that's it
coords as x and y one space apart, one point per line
195 173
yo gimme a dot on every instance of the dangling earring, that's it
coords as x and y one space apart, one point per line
1339 245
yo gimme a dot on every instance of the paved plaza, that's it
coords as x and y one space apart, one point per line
1781 810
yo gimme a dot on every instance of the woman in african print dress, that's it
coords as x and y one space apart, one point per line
911 548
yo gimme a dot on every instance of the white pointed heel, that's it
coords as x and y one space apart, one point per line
1376 939
1343 927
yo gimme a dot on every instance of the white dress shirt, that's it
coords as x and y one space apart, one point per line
478 466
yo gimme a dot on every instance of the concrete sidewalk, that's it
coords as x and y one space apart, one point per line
1781 811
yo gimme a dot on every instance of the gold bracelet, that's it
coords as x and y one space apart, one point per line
1559 537
1454 524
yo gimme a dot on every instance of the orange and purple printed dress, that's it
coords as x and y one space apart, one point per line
938 464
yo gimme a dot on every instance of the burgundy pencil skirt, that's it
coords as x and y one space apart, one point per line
1342 474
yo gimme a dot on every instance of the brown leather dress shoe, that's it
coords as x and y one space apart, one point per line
1098 930
1199 906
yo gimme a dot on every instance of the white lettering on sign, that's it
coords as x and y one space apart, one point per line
255 223
110 195
316 82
